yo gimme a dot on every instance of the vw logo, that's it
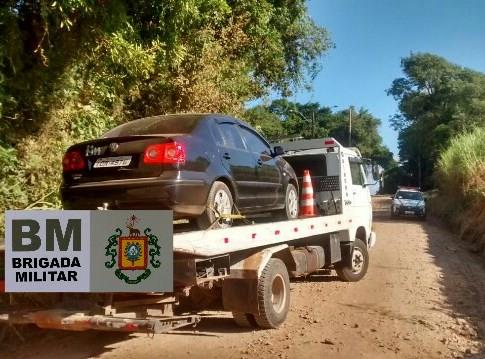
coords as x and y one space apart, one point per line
113 146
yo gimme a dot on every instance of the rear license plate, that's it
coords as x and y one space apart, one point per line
120 161
408 212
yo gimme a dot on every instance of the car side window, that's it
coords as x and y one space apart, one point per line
253 142
230 136
356 173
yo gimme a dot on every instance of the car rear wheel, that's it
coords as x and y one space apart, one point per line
291 203
219 203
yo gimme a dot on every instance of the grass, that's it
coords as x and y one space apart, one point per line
461 178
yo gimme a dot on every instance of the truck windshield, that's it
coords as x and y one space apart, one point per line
409 195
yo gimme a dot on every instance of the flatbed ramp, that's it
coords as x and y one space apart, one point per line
222 241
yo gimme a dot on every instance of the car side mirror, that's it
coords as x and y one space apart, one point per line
278 151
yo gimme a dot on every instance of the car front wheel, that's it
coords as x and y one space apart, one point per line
291 202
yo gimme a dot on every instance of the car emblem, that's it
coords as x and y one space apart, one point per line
113 146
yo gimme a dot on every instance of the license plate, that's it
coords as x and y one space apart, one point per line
408 212
120 161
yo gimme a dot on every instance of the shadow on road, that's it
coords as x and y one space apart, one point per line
462 282
461 278
62 344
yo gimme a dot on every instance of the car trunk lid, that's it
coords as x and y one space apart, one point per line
117 158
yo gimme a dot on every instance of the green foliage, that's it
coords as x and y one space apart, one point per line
461 178
461 167
283 118
267 123
437 100
71 69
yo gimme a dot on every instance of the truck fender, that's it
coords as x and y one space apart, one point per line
239 291
252 266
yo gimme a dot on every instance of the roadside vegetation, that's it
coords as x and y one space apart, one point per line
437 101
461 178
441 123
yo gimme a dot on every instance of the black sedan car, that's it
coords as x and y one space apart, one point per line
198 165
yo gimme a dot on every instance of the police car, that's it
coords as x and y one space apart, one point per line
408 201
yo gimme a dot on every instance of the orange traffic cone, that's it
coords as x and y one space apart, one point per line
307 202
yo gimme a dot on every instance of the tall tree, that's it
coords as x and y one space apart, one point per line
437 100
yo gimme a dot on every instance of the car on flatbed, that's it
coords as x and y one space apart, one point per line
202 166
408 201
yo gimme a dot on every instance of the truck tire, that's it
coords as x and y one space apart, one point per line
273 295
243 320
219 199
291 203
354 268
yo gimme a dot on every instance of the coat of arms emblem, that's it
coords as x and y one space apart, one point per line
135 253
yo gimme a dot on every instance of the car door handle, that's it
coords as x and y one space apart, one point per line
227 156
260 162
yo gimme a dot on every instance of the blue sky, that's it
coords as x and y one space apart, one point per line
371 37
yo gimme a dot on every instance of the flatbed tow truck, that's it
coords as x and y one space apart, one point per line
244 269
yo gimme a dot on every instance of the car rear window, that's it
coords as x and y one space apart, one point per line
167 124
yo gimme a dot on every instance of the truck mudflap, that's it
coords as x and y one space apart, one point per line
372 240
81 321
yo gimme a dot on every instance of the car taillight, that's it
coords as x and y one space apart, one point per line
164 153
73 161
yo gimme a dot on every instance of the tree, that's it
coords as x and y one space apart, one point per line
295 120
437 100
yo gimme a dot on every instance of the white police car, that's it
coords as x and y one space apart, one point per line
408 201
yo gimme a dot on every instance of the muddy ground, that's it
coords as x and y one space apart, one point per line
423 297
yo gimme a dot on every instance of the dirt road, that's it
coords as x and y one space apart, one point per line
423 297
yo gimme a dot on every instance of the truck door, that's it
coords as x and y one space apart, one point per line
359 194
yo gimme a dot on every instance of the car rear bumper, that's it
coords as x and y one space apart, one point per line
184 197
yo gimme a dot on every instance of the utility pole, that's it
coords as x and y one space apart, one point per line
350 126
313 124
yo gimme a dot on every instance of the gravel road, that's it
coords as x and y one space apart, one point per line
423 297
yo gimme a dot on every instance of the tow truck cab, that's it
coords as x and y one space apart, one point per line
338 178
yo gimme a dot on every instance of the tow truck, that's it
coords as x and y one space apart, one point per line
244 269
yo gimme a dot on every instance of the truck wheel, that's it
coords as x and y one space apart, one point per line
273 295
219 201
354 269
243 320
